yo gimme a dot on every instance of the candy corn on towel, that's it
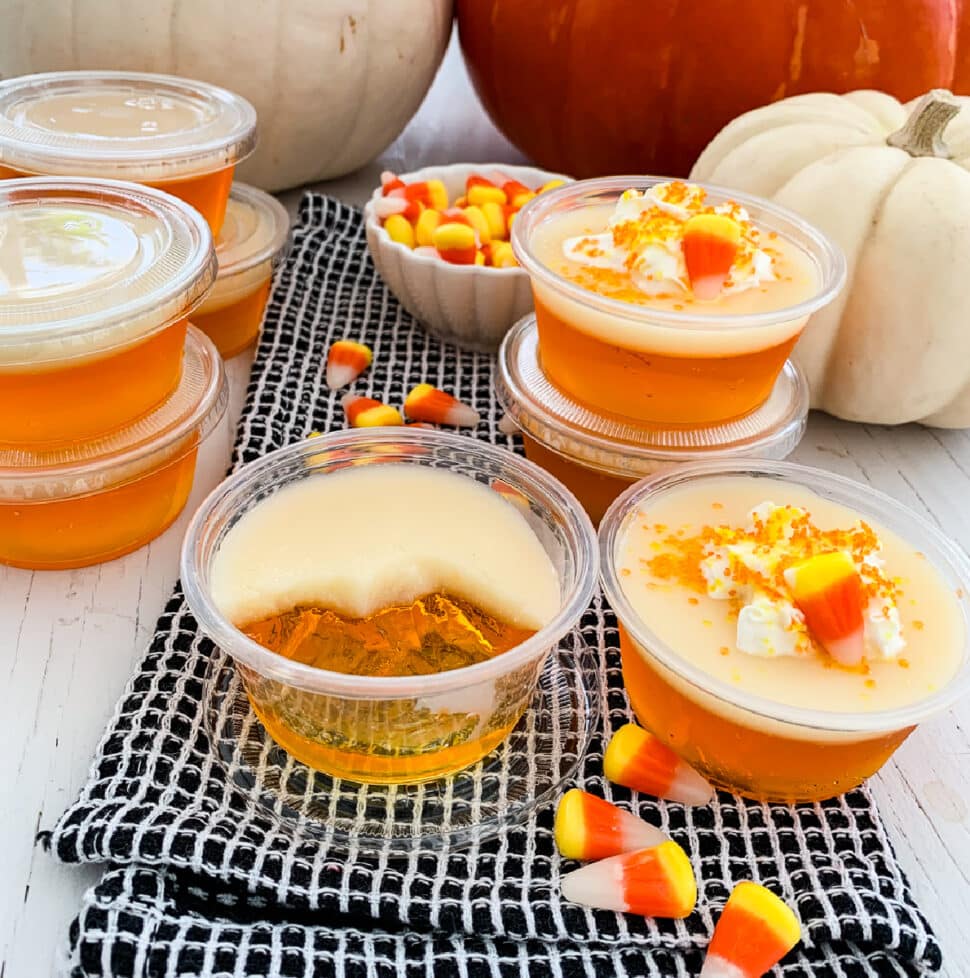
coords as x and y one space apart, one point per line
203 881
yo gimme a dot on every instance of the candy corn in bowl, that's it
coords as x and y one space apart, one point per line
667 302
783 629
389 595
440 240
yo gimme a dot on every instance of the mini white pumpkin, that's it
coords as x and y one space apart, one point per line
880 178
334 81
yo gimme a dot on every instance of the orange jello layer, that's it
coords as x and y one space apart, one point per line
235 327
655 387
208 193
90 396
54 534
744 759
595 490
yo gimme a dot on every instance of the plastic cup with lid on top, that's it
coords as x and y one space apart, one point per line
253 242
182 136
97 280
91 501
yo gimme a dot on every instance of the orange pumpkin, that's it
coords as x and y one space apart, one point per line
590 87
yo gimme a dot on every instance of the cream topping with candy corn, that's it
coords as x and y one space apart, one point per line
368 537
704 566
669 236
797 589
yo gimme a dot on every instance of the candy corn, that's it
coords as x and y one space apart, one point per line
827 589
390 181
365 412
455 243
755 931
590 828
551 185
425 226
495 216
711 243
479 190
517 194
479 222
655 882
427 403
346 361
399 229
638 760
499 254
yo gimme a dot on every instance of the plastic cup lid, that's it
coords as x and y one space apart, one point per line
127 125
88 265
621 447
255 231
165 435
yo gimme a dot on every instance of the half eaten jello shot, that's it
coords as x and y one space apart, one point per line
97 279
669 302
782 628
182 136
389 597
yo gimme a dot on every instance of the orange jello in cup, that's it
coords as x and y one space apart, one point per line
252 243
92 501
97 279
182 136
626 324
780 680
598 456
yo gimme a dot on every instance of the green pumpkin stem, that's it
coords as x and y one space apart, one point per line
922 134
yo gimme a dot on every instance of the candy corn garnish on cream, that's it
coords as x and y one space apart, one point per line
755 931
346 361
655 882
590 828
427 403
711 244
827 590
636 759
365 412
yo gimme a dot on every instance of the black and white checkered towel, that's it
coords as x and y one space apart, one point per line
205 879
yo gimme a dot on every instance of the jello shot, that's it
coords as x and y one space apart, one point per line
389 596
598 456
92 501
782 628
251 244
182 136
666 302
97 280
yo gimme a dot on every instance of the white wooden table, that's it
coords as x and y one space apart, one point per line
69 640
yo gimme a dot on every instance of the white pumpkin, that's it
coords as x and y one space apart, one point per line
882 181
334 81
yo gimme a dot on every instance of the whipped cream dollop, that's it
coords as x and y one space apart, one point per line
645 235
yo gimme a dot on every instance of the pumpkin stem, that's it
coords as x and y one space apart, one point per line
922 134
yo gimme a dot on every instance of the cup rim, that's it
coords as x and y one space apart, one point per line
827 255
272 665
873 502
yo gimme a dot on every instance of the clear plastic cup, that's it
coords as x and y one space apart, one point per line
252 244
182 136
393 729
750 744
97 280
598 456
89 502
661 366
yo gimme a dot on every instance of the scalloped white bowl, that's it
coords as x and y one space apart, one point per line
470 305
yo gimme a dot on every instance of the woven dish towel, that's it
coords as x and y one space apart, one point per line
204 881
